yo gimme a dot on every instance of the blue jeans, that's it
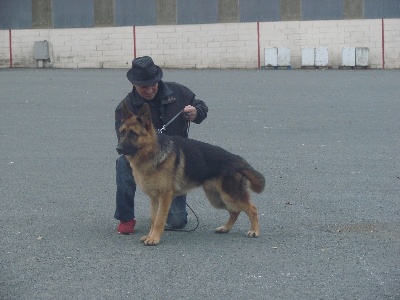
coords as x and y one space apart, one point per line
125 198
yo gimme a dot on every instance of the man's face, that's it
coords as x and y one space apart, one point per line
147 92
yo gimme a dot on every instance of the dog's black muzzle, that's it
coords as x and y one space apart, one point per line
120 150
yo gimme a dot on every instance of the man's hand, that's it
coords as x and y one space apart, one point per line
190 113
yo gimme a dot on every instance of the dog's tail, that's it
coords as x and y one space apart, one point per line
256 179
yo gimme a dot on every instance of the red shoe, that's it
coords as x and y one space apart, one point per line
126 227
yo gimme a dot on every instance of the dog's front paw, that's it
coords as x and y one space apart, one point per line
151 241
143 238
252 233
222 229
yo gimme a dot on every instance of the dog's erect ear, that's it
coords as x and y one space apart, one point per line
145 116
126 113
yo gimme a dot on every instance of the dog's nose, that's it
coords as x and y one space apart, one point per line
119 150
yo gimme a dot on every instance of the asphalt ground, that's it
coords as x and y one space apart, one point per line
327 142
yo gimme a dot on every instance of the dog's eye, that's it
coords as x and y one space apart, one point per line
132 134
122 133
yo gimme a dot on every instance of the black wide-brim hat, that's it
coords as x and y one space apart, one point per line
144 72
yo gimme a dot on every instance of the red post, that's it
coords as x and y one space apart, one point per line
258 44
383 44
134 41
10 40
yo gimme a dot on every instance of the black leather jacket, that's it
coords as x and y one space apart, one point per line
174 97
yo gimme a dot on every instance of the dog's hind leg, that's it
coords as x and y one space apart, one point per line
251 212
236 197
213 194
250 209
228 226
236 205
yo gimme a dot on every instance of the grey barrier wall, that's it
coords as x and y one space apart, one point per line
254 10
135 12
73 13
37 14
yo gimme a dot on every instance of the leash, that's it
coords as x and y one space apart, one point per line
186 230
170 121
197 218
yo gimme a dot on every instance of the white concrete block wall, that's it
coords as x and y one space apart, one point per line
200 46
334 35
92 47
392 43
367 33
23 42
232 45
4 49
73 48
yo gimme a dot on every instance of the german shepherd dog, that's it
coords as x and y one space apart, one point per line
167 166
